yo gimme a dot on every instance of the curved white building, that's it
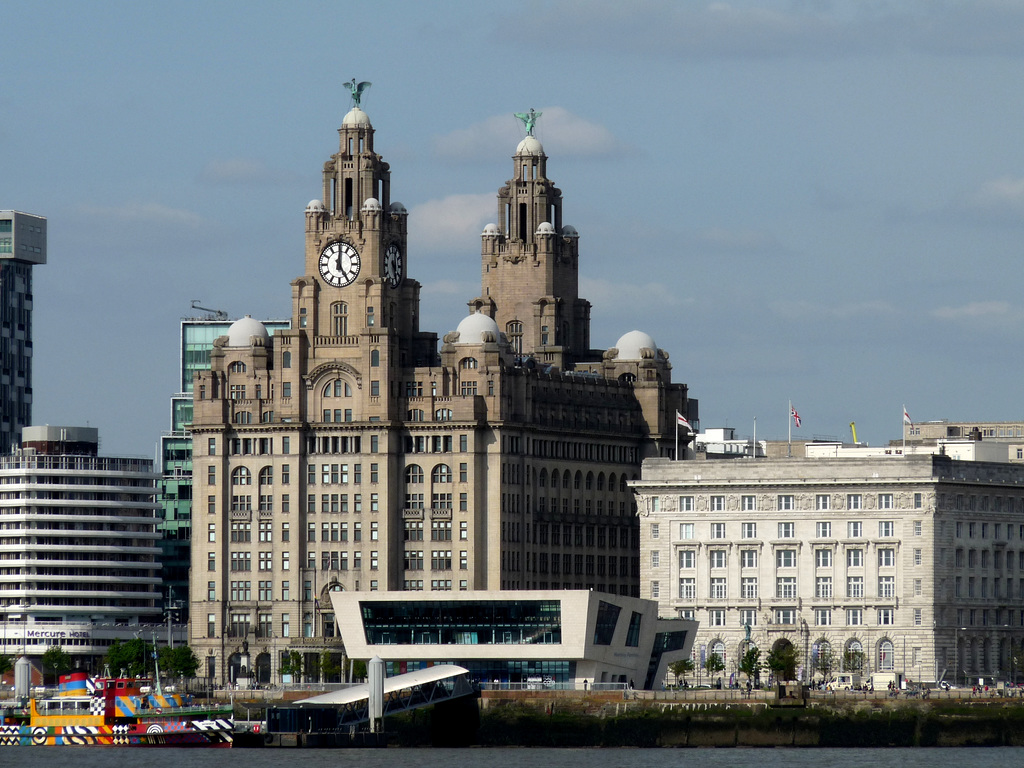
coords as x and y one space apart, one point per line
79 552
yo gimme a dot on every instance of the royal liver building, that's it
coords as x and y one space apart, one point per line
351 452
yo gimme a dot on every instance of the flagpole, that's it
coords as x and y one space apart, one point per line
789 420
903 428
677 435
753 454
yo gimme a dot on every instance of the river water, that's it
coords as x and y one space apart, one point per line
88 757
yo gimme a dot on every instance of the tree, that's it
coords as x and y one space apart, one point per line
825 662
681 668
130 659
358 669
57 659
329 667
853 660
180 661
750 664
6 665
713 664
782 661
291 664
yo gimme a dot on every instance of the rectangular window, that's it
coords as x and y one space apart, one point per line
718 558
823 587
823 558
785 587
785 558
917 527
855 558
854 529
823 530
785 502
686 530
885 617
655 590
718 503
854 617
886 528
748 503
748 558
687 558
887 587
686 503
853 501
918 557
855 586
716 617
655 530
748 588
823 501
823 617
785 616
885 501
886 557
918 501
688 589
718 530
787 530
719 589
655 559
917 587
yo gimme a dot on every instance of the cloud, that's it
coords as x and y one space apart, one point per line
744 30
720 240
999 310
243 171
451 223
144 213
606 293
446 288
559 130
995 201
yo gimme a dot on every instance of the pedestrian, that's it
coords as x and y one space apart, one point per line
585 683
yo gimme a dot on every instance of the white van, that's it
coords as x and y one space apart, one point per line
846 681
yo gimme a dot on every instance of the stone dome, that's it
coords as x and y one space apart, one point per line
630 345
545 228
475 329
371 204
491 230
241 332
530 146
398 208
356 118
315 206
569 231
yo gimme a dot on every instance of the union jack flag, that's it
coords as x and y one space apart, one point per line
796 416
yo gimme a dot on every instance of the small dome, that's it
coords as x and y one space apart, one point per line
631 344
545 228
241 332
398 208
473 328
491 230
569 231
530 146
356 118
371 204
315 205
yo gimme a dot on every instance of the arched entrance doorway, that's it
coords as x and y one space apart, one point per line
262 669
783 660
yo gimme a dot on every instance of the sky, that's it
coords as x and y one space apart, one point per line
809 201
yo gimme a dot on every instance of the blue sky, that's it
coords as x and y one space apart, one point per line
816 201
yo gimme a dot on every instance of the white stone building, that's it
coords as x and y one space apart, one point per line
911 561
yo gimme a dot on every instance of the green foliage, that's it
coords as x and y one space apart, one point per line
330 669
750 664
853 661
56 659
131 658
180 661
358 669
291 664
782 660
714 664
6 665
681 668
825 662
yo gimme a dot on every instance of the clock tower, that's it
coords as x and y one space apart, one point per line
530 270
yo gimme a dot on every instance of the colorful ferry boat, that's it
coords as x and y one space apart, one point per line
115 712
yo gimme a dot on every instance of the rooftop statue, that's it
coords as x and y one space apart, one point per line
529 119
357 90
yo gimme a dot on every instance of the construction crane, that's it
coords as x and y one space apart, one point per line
218 314
853 429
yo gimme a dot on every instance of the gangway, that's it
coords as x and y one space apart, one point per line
341 711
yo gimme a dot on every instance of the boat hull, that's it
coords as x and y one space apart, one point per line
170 733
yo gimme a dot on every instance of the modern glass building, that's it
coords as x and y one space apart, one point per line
195 344
555 637
22 246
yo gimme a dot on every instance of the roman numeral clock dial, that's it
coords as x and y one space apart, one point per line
339 264
393 266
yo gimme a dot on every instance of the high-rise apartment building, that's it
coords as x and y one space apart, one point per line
22 246
347 453
79 547
195 345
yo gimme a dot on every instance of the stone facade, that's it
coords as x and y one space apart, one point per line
912 560
348 453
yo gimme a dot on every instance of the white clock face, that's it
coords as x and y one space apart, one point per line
339 264
393 266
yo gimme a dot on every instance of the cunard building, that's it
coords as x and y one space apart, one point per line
352 452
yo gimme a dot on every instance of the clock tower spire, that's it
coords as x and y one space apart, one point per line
530 269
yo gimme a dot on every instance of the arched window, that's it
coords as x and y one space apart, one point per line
542 481
338 388
339 319
718 649
267 476
443 414
413 474
415 414
590 481
611 482
467 363
853 656
600 481
241 476
374 358
242 417
622 484
514 332
577 481
627 378
266 417
237 367
885 655
286 360
442 473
